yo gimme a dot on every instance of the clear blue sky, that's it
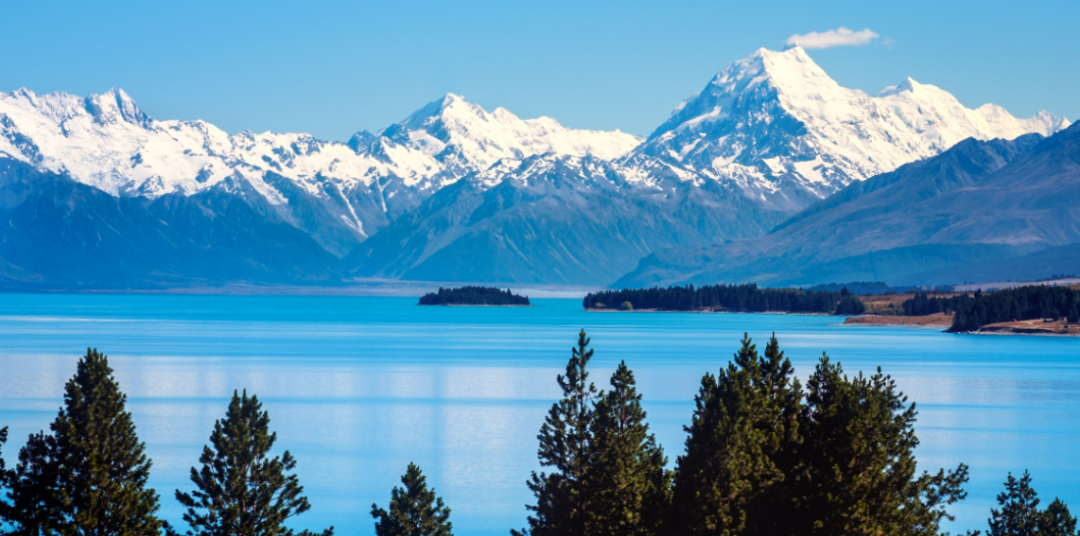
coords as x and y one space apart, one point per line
332 68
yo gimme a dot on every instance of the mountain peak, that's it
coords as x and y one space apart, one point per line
116 105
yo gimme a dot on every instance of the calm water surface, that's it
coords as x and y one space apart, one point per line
357 387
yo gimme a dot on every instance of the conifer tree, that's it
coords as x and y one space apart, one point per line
858 451
33 500
1019 513
415 510
6 477
627 481
241 491
562 504
101 468
1056 520
740 447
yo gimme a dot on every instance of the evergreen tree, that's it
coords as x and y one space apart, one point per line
858 451
33 506
100 466
740 448
562 504
6 477
415 510
241 491
1056 520
627 482
1019 513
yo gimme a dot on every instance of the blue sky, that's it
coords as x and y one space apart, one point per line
332 68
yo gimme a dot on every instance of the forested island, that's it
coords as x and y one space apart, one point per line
732 298
473 296
763 455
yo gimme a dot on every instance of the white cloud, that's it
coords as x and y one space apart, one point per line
840 37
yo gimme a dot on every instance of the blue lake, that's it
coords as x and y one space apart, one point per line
357 387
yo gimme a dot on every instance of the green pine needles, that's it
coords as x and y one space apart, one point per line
764 455
88 477
415 510
240 490
608 475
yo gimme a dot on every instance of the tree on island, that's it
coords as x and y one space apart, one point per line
241 491
415 510
88 477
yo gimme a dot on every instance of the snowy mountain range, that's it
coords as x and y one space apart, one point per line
454 185
981 211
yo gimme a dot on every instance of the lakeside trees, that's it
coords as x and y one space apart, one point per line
1020 303
739 298
764 455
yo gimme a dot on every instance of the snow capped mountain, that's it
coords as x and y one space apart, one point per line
107 142
453 192
781 130
463 138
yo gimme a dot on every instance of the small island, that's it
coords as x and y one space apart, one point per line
474 296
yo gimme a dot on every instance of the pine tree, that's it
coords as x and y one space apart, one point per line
741 438
33 506
1056 520
858 451
1019 513
627 481
6 478
101 467
562 504
241 491
415 510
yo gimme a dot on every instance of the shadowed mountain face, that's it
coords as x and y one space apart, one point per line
970 213
62 234
457 193
558 221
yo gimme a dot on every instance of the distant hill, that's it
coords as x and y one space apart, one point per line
982 210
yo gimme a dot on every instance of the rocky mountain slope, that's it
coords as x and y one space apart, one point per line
981 210
457 193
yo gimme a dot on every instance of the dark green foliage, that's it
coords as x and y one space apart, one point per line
849 304
6 476
240 490
859 475
33 502
89 476
740 449
415 510
739 298
626 482
921 304
473 296
1019 513
566 444
1021 303
1057 521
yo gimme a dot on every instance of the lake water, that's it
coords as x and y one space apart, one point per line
357 387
